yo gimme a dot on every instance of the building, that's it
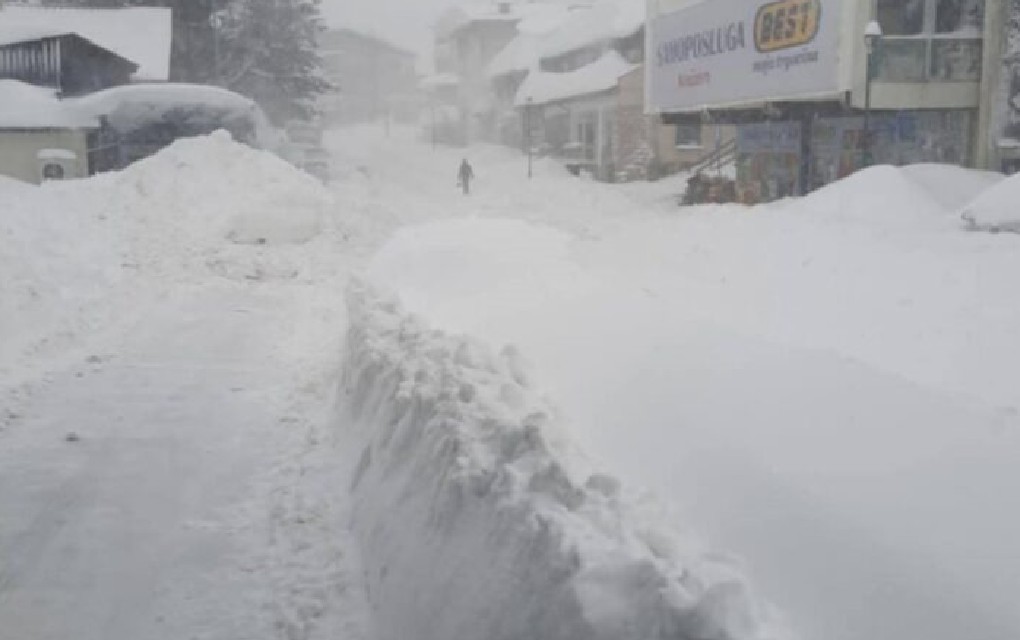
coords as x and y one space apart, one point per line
373 79
583 96
73 103
39 136
794 77
141 35
66 62
467 38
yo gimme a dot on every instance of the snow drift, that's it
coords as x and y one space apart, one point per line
478 521
997 209
226 190
77 254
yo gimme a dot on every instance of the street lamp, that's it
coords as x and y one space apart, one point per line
872 36
527 119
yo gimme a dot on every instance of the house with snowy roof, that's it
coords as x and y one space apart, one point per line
467 38
574 81
49 55
85 90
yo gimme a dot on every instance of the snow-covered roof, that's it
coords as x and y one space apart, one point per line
140 34
522 53
25 106
128 105
472 11
605 20
602 75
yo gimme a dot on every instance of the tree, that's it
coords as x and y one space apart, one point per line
263 49
267 50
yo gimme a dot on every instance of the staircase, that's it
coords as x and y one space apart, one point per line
717 158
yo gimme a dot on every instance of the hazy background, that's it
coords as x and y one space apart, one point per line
406 23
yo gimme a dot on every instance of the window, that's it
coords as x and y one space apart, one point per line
901 17
959 16
53 171
930 40
688 135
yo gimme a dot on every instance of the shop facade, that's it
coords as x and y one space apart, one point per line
792 76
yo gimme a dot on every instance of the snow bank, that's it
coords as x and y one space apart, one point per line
880 192
997 209
478 521
950 185
222 189
76 256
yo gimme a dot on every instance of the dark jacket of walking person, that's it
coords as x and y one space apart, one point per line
464 176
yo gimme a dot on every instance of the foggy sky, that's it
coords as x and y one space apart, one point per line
406 23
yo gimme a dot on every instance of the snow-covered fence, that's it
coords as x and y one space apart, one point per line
477 521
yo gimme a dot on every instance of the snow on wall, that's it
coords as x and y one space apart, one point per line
477 520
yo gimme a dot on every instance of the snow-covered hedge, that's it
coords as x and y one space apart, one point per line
478 521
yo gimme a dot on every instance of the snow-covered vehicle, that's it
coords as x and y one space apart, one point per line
139 120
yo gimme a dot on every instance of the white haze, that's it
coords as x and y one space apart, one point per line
402 22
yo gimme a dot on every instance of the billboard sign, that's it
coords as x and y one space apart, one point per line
727 52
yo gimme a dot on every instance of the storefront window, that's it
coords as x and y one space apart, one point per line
901 17
959 16
930 40
903 61
956 60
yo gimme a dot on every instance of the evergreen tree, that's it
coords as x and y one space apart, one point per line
267 49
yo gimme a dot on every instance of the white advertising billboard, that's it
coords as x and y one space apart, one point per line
727 52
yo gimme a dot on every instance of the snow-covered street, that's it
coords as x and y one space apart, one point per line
191 500
552 408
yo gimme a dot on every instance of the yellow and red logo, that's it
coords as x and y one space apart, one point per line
786 23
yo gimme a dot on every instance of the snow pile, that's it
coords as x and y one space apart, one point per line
478 521
997 209
951 186
78 255
881 193
215 188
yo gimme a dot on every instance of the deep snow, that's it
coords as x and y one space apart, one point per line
825 386
818 394
169 453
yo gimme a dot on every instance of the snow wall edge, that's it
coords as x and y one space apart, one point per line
476 522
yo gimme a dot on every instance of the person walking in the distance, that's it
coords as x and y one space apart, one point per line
465 175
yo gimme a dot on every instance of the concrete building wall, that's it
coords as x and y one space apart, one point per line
19 151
